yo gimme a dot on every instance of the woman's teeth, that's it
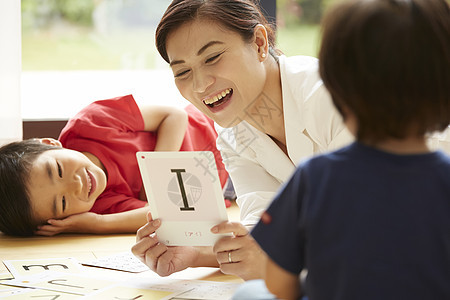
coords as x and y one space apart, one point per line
217 97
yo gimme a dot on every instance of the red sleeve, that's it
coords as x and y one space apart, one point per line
102 120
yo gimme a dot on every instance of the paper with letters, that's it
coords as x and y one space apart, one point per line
183 190
26 267
124 261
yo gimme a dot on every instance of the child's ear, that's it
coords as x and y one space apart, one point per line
50 141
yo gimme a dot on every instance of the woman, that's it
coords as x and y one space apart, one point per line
271 112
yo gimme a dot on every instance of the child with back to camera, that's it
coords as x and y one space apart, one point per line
371 220
93 184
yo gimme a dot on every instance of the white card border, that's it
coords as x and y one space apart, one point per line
171 232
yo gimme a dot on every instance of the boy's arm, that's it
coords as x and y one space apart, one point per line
281 283
169 123
88 222
123 222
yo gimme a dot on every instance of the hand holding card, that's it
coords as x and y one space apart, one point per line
183 190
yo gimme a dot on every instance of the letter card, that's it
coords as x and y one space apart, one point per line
183 190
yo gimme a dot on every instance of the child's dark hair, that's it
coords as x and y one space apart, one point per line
388 63
240 16
16 160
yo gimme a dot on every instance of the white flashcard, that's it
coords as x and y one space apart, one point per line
6 276
26 267
32 294
126 292
183 190
124 261
77 284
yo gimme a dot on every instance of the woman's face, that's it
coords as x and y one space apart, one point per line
216 70
64 182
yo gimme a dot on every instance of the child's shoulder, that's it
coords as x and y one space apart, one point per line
336 156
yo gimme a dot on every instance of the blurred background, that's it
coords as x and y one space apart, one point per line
119 34
78 51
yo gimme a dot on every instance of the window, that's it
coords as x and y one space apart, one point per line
78 51
10 118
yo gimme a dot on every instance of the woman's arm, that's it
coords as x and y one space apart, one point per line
281 283
168 122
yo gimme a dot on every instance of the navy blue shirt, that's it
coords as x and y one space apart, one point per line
366 224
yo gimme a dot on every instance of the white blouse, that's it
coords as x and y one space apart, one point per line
257 166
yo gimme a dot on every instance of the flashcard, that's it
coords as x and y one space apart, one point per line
201 289
6 290
62 282
125 261
26 267
194 289
5 276
123 292
23 294
183 190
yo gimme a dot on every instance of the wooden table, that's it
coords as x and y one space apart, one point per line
85 247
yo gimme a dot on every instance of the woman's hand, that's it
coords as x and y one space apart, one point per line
162 259
84 222
239 254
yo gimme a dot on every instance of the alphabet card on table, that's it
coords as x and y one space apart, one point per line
76 284
125 292
23 294
5 276
26 267
183 190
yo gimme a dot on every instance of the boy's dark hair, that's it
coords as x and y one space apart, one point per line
16 160
240 16
388 62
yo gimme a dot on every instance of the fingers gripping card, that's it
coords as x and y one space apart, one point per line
183 190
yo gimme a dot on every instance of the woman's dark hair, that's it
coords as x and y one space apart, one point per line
16 160
240 16
388 62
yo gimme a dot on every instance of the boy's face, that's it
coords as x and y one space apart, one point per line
64 182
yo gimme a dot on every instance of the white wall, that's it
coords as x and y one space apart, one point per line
10 67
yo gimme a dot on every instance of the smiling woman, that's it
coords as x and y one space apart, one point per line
270 111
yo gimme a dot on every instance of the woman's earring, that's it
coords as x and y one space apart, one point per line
263 55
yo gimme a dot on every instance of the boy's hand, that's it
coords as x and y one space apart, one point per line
162 259
84 222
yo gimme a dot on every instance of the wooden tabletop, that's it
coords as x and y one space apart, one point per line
85 247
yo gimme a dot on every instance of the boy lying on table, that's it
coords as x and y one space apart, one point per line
88 181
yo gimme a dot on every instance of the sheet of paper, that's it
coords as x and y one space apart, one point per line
6 290
124 292
54 283
199 289
6 276
194 289
124 261
183 190
26 267
33 294
76 284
